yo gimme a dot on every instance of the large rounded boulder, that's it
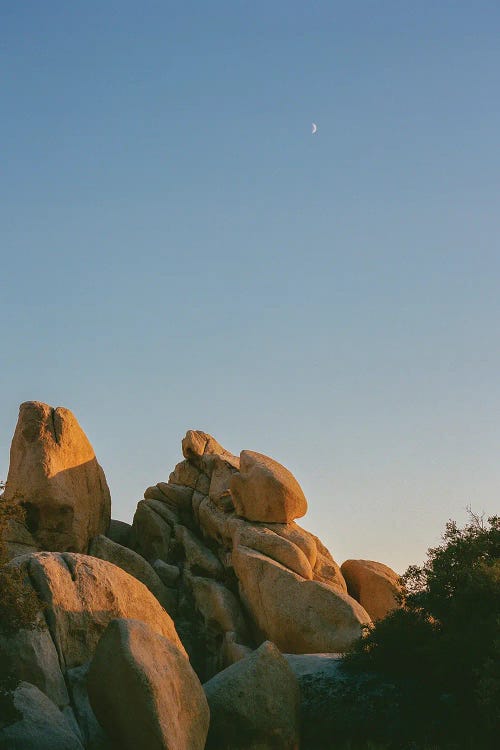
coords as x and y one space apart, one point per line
82 594
264 490
299 615
144 691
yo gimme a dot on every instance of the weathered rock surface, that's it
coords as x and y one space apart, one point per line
197 525
374 585
254 704
55 476
151 533
264 490
82 595
18 540
299 615
132 563
169 574
279 549
216 546
30 656
144 691
119 532
93 735
41 725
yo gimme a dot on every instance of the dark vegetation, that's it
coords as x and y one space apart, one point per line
428 675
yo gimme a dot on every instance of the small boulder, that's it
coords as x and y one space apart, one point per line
29 655
40 724
374 585
254 703
144 691
151 532
18 540
199 559
264 490
55 476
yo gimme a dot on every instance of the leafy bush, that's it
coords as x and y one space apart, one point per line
428 675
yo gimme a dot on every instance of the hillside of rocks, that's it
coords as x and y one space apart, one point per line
192 626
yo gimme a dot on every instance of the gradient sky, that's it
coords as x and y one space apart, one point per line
178 251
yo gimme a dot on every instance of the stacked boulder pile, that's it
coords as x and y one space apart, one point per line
175 631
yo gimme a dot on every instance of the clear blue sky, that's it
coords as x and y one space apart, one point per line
178 251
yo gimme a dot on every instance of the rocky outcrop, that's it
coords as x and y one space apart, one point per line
18 540
82 595
374 585
144 691
135 565
55 476
39 726
242 581
216 548
254 704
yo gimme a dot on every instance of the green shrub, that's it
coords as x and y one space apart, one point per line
428 674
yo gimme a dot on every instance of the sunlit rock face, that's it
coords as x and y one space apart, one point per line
55 476
246 571
374 585
82 594
264 490
144 691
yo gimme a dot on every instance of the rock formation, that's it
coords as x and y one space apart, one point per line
213 568
40 726
82 594
144 691
55 476
254 704
246 571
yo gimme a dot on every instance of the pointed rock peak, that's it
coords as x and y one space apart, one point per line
197 443
55 476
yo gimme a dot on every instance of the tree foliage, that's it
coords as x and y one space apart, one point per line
442 647
428 674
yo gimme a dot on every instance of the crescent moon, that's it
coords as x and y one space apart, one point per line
314 128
